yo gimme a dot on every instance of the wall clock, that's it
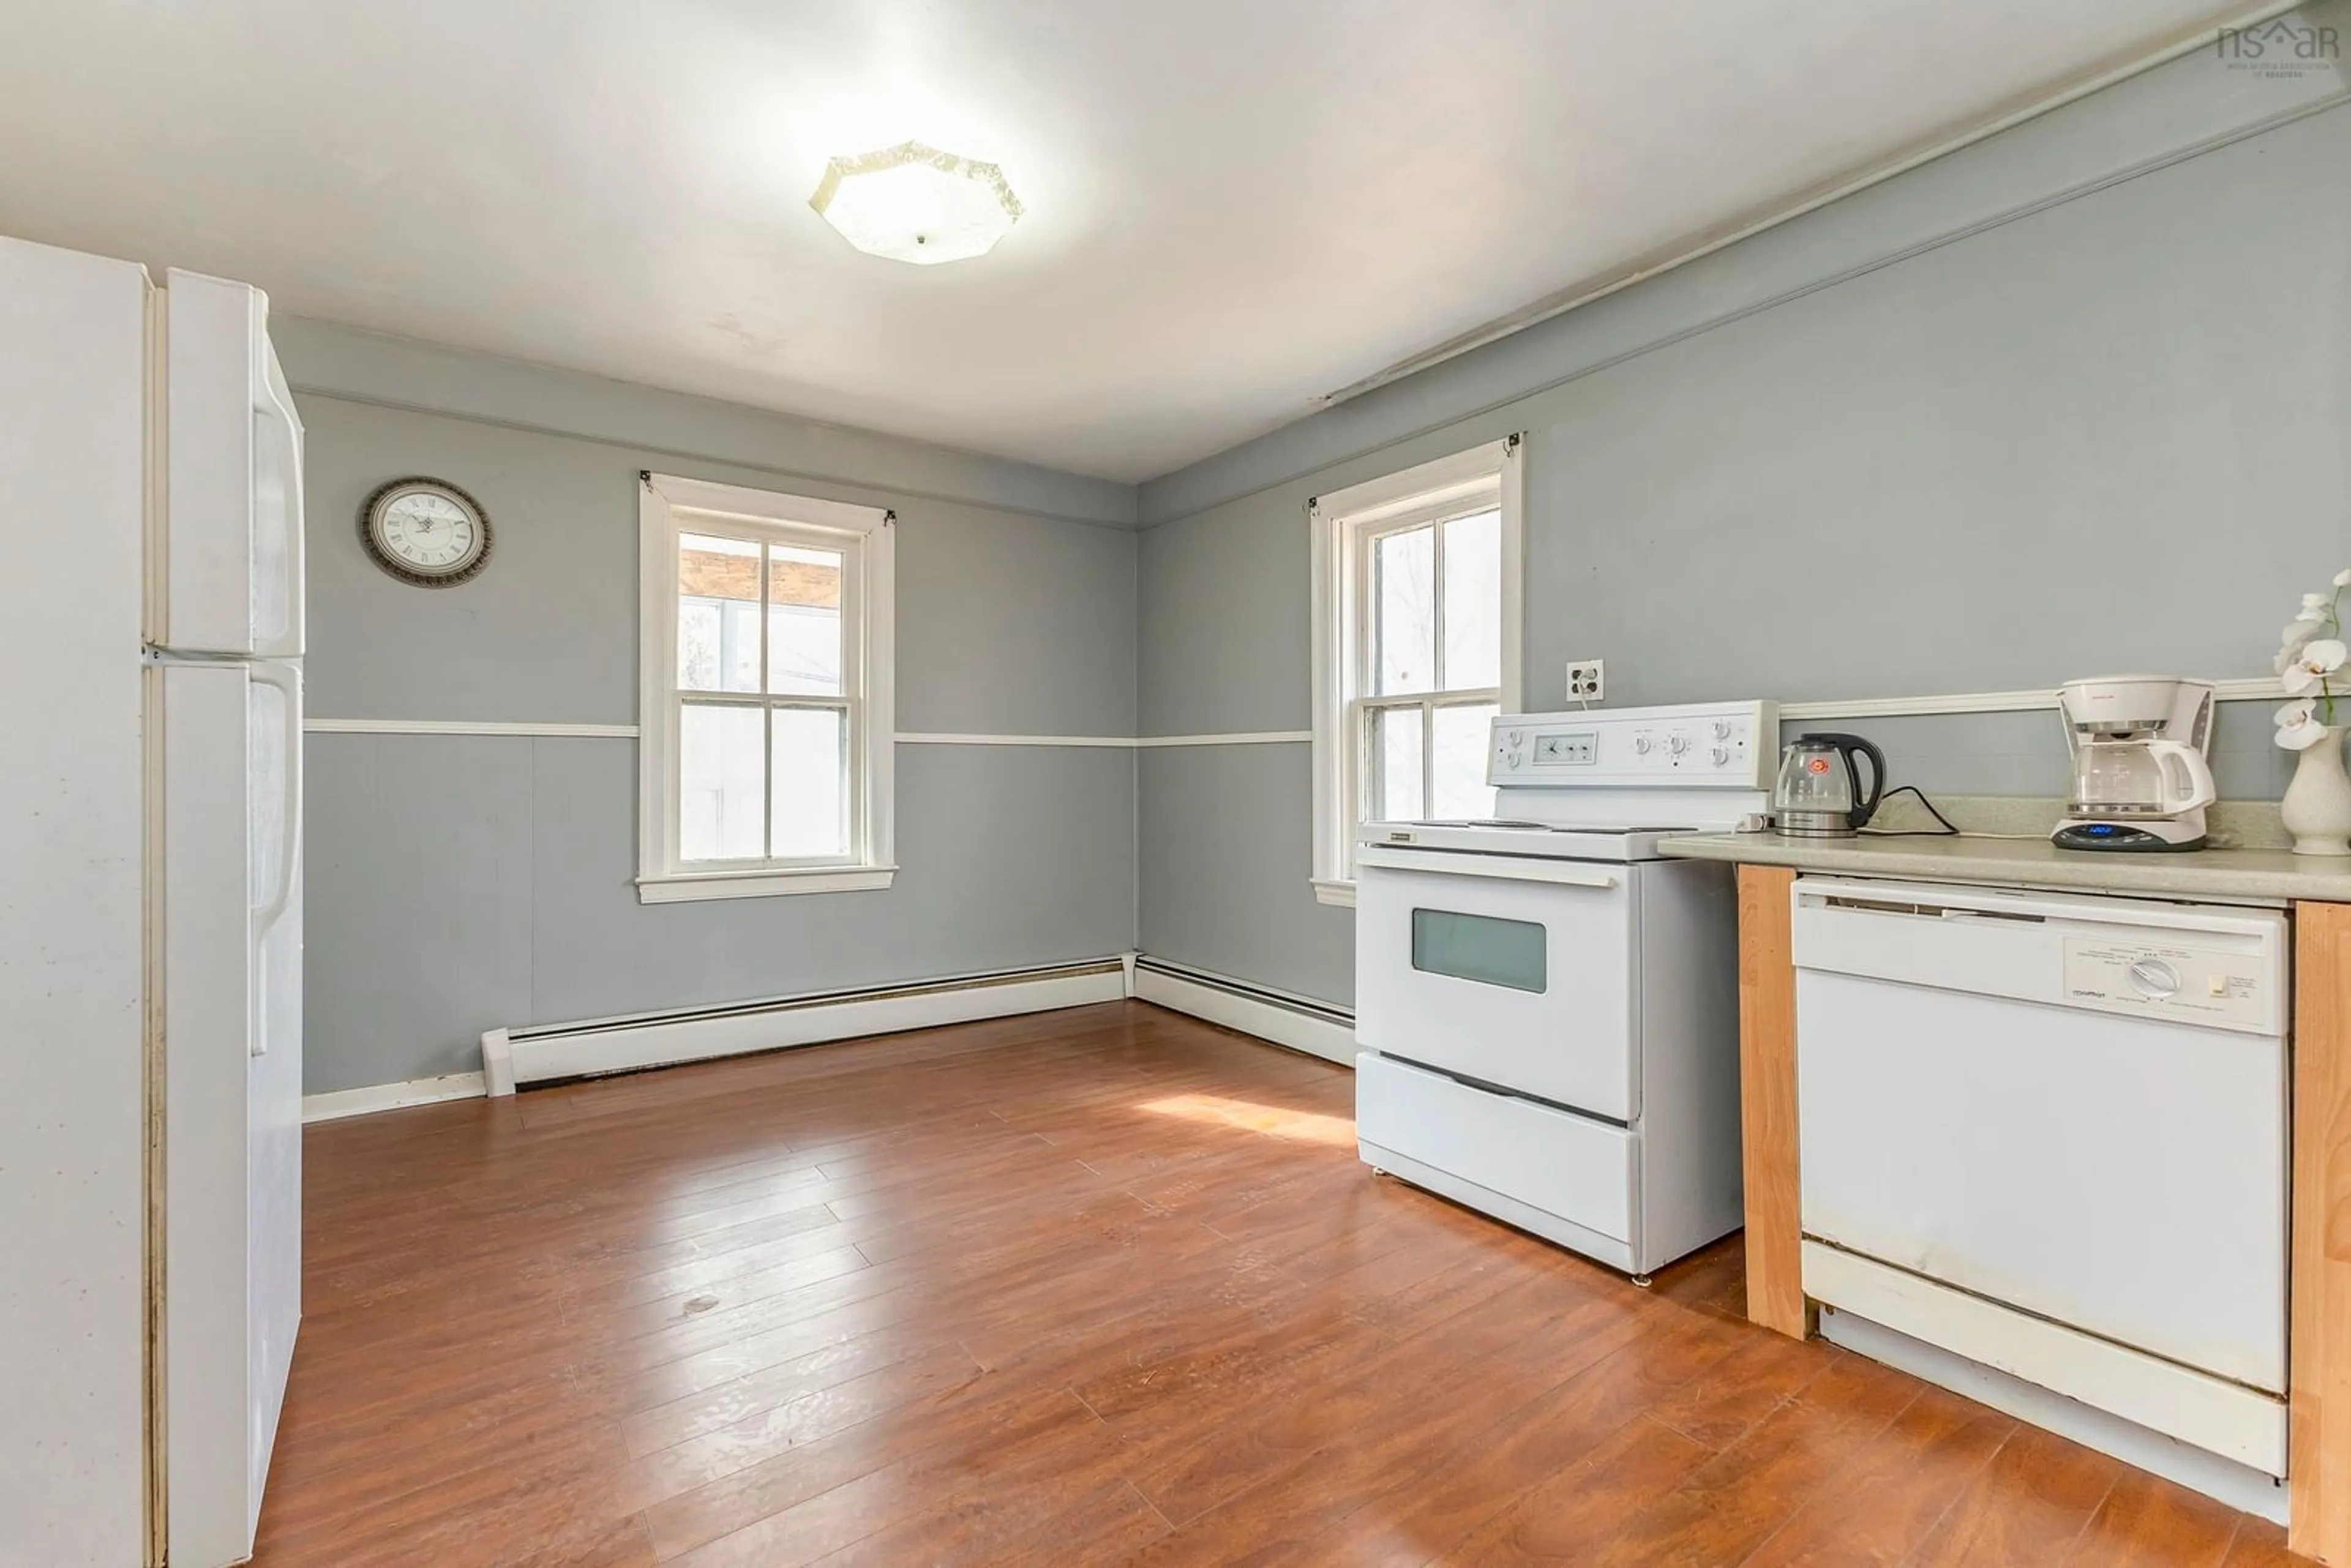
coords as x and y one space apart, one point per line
426 532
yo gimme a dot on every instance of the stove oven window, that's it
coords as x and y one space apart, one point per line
1481 947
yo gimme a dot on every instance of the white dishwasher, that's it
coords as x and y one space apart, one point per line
2048 1132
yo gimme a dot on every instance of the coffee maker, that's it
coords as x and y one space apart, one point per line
2140 779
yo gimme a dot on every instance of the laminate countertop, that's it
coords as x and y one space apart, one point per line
2268 874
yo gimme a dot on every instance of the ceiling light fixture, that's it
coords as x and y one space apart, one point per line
912 203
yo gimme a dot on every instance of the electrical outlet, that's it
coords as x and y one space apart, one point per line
1583 682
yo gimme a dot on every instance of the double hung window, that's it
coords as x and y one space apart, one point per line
1416 647
765 724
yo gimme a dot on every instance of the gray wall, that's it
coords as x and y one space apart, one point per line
2072 399
2070 402
460 883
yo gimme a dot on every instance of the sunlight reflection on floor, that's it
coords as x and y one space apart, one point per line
1302 1126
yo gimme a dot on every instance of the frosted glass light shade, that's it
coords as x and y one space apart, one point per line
912 203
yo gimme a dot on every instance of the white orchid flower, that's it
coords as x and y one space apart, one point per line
2291 643
2298 727
2343 578
2313 665
2317 600
2313 613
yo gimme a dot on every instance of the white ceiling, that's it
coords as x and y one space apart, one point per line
1233 206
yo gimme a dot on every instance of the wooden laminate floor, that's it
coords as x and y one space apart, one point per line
1095 1286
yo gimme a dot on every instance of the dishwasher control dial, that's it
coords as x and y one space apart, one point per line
2151 977
2142 975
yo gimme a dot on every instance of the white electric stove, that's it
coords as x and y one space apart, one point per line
1547 1009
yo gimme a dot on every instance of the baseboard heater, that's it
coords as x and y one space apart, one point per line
596 1048
1303 1023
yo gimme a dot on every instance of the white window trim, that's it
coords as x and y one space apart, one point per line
660 877
1337 523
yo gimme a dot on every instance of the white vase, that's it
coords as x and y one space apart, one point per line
2317 806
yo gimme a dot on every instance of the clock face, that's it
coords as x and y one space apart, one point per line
426 532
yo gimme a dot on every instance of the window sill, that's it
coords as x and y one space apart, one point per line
1334 891
691 887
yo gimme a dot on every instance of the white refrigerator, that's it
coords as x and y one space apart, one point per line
151 911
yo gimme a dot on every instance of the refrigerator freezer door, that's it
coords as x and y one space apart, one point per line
227 578
231 1003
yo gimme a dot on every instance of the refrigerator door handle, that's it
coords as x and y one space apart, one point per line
290 821
276 405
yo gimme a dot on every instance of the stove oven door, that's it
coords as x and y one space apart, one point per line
1513 971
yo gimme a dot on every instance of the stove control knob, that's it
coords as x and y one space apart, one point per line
1721 755
1680 743
1641 744
1518 737
1721 729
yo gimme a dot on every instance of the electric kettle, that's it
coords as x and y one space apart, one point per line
1819 792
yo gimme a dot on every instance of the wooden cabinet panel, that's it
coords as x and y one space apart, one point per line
2319 1333
1767 1066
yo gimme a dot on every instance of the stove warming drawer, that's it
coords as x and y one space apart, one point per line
1567 1178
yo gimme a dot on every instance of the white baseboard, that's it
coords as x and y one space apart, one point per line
1252 1009
511 1057
340 1102
516 1056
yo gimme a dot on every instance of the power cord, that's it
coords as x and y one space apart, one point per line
1947 831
